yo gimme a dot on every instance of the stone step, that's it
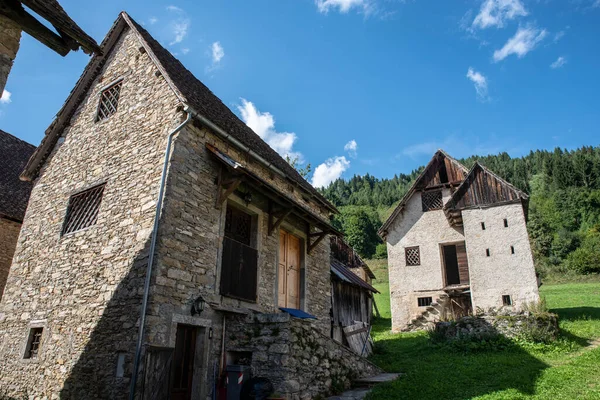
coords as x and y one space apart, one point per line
375 379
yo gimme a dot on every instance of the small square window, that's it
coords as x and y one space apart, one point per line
487 252
506 300
33 343
413 256
505 223
109 100
483 226
432 200
83 208
424 301
512 249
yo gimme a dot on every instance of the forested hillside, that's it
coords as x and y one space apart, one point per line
564 208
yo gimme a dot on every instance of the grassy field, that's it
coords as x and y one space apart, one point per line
568 369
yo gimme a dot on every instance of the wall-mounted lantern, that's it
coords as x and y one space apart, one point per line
198 306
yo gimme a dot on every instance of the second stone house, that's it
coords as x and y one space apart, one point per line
457 241
161 241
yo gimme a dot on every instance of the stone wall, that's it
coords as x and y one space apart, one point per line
85 288
9 233
428 230
502 273
300 361
10 37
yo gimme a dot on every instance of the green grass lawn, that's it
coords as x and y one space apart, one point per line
569 369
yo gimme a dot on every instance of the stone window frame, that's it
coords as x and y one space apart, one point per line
42 323
256 241
408 256
79 190
103 89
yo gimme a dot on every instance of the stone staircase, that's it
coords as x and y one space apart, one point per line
433 313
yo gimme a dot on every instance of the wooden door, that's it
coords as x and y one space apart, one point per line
289 270
451 265
183 362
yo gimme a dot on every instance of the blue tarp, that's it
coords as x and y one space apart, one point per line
297 313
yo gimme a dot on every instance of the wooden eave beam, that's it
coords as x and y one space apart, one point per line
225 188
277 217
319 237
14 11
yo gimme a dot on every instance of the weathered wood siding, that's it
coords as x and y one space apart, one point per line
484 188
349 304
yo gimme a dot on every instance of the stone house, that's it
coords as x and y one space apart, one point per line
161 239
14 19
14 195
456 242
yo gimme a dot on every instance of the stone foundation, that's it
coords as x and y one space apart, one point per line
301 362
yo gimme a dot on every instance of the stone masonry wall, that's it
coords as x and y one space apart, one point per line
427 230
10 37
9 233
300 361
189 252
85 288
502 273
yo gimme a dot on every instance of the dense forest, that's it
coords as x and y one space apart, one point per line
564 206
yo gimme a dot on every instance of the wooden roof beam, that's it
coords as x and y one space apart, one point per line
14 11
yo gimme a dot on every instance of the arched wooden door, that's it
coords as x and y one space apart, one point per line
289 270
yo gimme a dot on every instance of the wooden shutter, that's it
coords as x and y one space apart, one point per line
463 264
289 270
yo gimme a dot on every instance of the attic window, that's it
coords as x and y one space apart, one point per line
413 256
33 343
483 226
83 208
487 252
505 223
109 100
432 200
424 301
506 300
512 249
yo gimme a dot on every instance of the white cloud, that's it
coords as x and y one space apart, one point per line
559 35
263 124
152 20
480 82
5 99
329 171
351 147
596 4
521 43
185 50
497 12
343 6
560 61
217 52
179 26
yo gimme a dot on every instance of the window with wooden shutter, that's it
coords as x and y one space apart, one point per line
239 262
83 209
109 101
432 200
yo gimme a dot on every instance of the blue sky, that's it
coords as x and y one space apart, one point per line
359 86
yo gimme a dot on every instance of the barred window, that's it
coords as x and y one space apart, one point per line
424 301
33 342
83 208
413 256
432 200
506 300
109 100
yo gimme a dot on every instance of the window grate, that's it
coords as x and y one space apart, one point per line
33 342
238 225
109 100
424 301
83 208
413 256
432 200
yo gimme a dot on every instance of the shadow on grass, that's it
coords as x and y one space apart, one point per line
577 313
442 372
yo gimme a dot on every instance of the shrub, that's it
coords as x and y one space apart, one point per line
381 251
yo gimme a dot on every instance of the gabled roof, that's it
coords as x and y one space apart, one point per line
72 35
14 193
188 89
483 187
343 273
429 177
